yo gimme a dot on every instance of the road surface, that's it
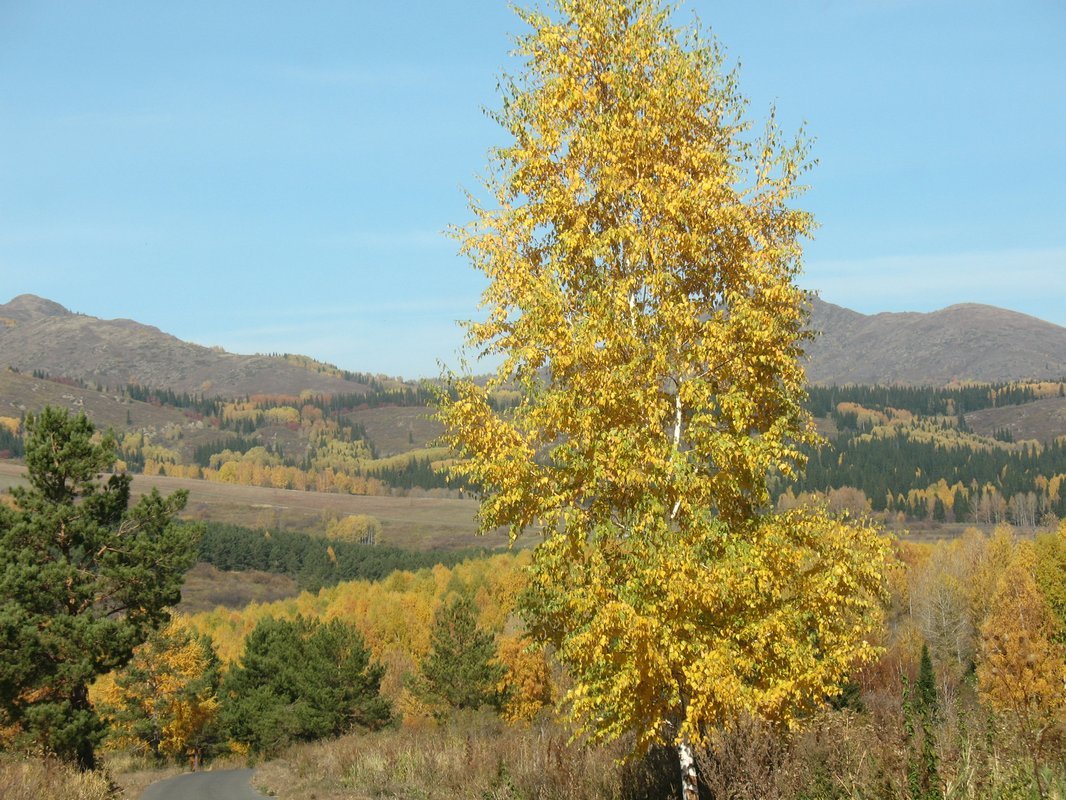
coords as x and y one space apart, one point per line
225 784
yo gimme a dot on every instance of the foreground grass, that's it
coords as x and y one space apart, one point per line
41 779
473 756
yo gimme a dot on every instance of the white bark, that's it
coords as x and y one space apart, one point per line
689 785
677 439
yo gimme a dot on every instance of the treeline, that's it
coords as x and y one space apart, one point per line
822 401
236 444
417 473
907 451
204 406
10 443
354 657
312 561
894 464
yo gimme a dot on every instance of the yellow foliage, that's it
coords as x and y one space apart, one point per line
12 425
1022 671
527 685
281 415
1050 574
394 615
164 700
641 251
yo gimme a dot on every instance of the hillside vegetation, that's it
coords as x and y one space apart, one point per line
933 454
937 707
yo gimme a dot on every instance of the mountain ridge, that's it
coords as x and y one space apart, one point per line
964 342
39 334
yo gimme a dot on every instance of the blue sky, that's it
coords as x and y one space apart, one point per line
273 176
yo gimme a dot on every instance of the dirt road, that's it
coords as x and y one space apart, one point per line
225 784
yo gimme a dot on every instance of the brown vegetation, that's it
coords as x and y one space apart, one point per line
475 755
207 588
41 779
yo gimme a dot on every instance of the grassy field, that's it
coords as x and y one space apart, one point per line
411 522
206 588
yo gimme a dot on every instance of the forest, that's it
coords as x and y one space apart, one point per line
908 453
905 453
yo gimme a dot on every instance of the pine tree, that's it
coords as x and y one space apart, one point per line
83 580
461 670
920 710
300 680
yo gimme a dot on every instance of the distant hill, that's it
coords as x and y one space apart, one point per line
38 334
967 342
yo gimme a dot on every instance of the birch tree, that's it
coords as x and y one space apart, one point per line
641 247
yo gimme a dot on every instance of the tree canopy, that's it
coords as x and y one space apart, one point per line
84 578
165 701
641 246
461 670
300 680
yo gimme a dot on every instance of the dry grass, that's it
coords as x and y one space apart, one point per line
411 522
206 588
398 429
38 779
1041 420
474 756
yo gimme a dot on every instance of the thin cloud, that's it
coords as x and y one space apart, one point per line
354 76
387 240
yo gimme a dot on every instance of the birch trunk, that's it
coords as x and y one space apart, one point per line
689 786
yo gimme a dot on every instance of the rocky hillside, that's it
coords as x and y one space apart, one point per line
37 334
967 342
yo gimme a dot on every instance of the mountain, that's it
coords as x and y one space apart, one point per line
966 342
38 334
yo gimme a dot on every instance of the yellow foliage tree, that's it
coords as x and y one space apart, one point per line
527 685
165 699
354 528
641 250
1021 671
1050 574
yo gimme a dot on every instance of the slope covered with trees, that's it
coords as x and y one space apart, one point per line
910 453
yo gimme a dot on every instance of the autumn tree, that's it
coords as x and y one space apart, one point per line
641 250
166 699
1021 671
84 578
920 709
1050 574
527 685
